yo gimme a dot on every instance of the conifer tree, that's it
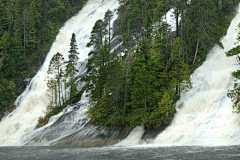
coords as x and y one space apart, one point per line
27 30
52 92
107 20
55 68
71 63
235 93
97 63
33 23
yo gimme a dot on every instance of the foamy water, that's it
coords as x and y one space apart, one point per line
34 100
205 114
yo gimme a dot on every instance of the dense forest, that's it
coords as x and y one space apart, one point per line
143 86
139 86
27 30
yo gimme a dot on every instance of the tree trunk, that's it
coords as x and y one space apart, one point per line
109 34
126 79
177 14
62 93
128 67
65 88
195 55
182 27
59 88
171 47
46 15
24 31
166 46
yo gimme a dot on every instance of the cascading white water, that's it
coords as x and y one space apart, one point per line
204 113
133 138
170 19
34 100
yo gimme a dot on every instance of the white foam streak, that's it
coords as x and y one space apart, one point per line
34 100
170 19
133 138
204 115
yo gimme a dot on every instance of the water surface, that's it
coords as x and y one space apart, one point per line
122 153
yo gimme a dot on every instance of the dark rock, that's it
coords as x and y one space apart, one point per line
151 133
181 105
26 81
94 136
116 25
174 34
69 122
116 41
32 73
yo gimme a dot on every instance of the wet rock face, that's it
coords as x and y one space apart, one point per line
150 134
116 25
73 128
116 41
88 136
94 136
70 121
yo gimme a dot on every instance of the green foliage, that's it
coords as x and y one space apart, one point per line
72 58
71 65
235 93
140 87
55 68
143 86
75 95
60 75
40 120
163 114
52 91
27 30
7 94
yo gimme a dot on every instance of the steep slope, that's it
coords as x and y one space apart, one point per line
205 114
34 100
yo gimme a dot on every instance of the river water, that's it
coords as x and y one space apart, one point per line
122 153
204 115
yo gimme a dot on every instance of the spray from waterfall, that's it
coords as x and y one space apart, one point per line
204 113
34 100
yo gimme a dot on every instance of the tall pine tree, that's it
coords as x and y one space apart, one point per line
71 68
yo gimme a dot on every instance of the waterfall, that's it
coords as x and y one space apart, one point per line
204 113
33 101
133 138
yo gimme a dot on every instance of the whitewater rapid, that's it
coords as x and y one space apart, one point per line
33 101
204 113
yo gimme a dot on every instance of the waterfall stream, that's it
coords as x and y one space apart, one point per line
204 113
34 100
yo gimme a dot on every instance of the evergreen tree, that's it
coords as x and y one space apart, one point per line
235 93
71 63
33 23
27 30
107 20
55 68
98 61
52 90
